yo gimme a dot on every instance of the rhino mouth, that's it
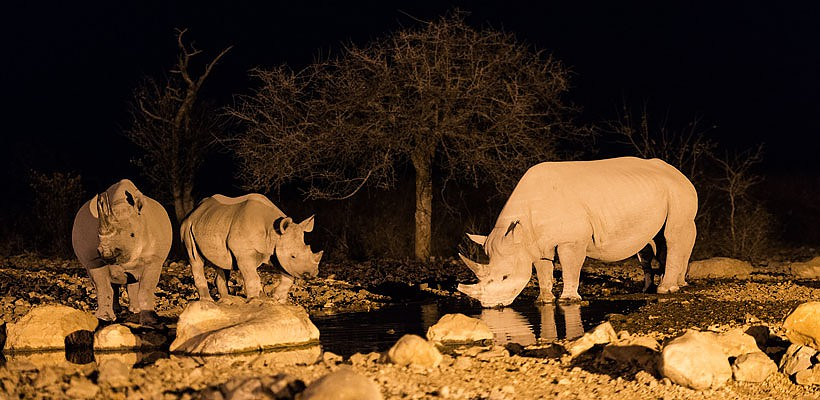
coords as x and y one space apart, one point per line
478 292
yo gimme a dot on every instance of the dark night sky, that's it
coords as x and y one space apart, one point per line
752 68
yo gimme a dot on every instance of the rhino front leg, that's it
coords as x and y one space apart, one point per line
247 266
280 294
133 294
544 268
101 278
148 280
572 257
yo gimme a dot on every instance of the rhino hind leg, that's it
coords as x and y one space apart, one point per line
201 283
645 257
221 278
679 242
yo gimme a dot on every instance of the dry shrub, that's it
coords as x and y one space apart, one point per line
57 197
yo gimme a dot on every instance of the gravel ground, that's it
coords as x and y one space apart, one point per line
478 373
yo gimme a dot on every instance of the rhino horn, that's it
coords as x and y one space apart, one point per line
478 239
104 213
480 270
318 256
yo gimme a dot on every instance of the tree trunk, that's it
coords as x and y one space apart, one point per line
423 164
183 202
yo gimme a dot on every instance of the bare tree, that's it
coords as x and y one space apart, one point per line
173 127
443 98
736 181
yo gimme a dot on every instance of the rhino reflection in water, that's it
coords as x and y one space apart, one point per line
607 210
510 326
122 237
245 232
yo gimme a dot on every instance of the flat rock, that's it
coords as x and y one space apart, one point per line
343 384
46 328
414 350
753 367
719 267
459 328
806 270
601 334
735 342
802 326
222 328
695 360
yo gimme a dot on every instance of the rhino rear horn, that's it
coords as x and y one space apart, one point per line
480 270
478 239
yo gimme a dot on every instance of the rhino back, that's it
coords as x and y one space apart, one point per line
222 225
621 202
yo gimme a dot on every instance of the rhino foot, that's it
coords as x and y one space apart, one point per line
671 289
569 299
545 299
150 319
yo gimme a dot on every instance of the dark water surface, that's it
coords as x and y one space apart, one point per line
365 332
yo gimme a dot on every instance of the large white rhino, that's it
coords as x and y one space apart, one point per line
608 210
244 232
123 237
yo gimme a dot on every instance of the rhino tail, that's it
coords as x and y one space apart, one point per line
187 233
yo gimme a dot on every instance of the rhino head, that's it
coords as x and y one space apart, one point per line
119 225
293 254
511 255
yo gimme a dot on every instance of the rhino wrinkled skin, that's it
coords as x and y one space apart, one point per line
245 232
608 210
123 237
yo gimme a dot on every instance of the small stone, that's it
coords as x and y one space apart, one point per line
414 350
344 384
114 373
753 367
82 388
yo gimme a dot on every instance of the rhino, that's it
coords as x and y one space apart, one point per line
608 209
123 237
244 232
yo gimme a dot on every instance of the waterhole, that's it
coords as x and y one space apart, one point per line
525 324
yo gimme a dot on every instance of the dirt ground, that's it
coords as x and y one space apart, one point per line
492 373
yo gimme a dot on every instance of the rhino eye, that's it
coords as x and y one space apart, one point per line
504 278
132 234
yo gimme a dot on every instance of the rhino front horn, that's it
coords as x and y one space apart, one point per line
480 270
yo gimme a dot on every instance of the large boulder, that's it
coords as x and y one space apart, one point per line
802 326
46 327
343 384
459 328
806 270
206 327
695 360
719 267
414 350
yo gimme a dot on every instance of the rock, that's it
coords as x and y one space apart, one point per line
640 351
493 352
753 367
809 376
222 328
802 326
281 386
343 384
735 342
806 270
414 350
331 359
719 267
695 360
114 373
796 359
115 337
82 388
46 328
601 334
459 328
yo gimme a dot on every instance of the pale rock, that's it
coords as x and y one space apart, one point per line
82 388
802 326
640 351
414 350
601 334
493 352
115 337
809 376
735 342
753 367
695 360
46 328
462 363
343 384
331 359
719 267
114 373
222 328
459 328
806 270
796 359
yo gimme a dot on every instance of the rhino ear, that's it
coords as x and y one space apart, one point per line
478 239
307 224
135 200
280 224
514 231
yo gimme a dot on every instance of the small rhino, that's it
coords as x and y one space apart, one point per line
245 232
123 237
